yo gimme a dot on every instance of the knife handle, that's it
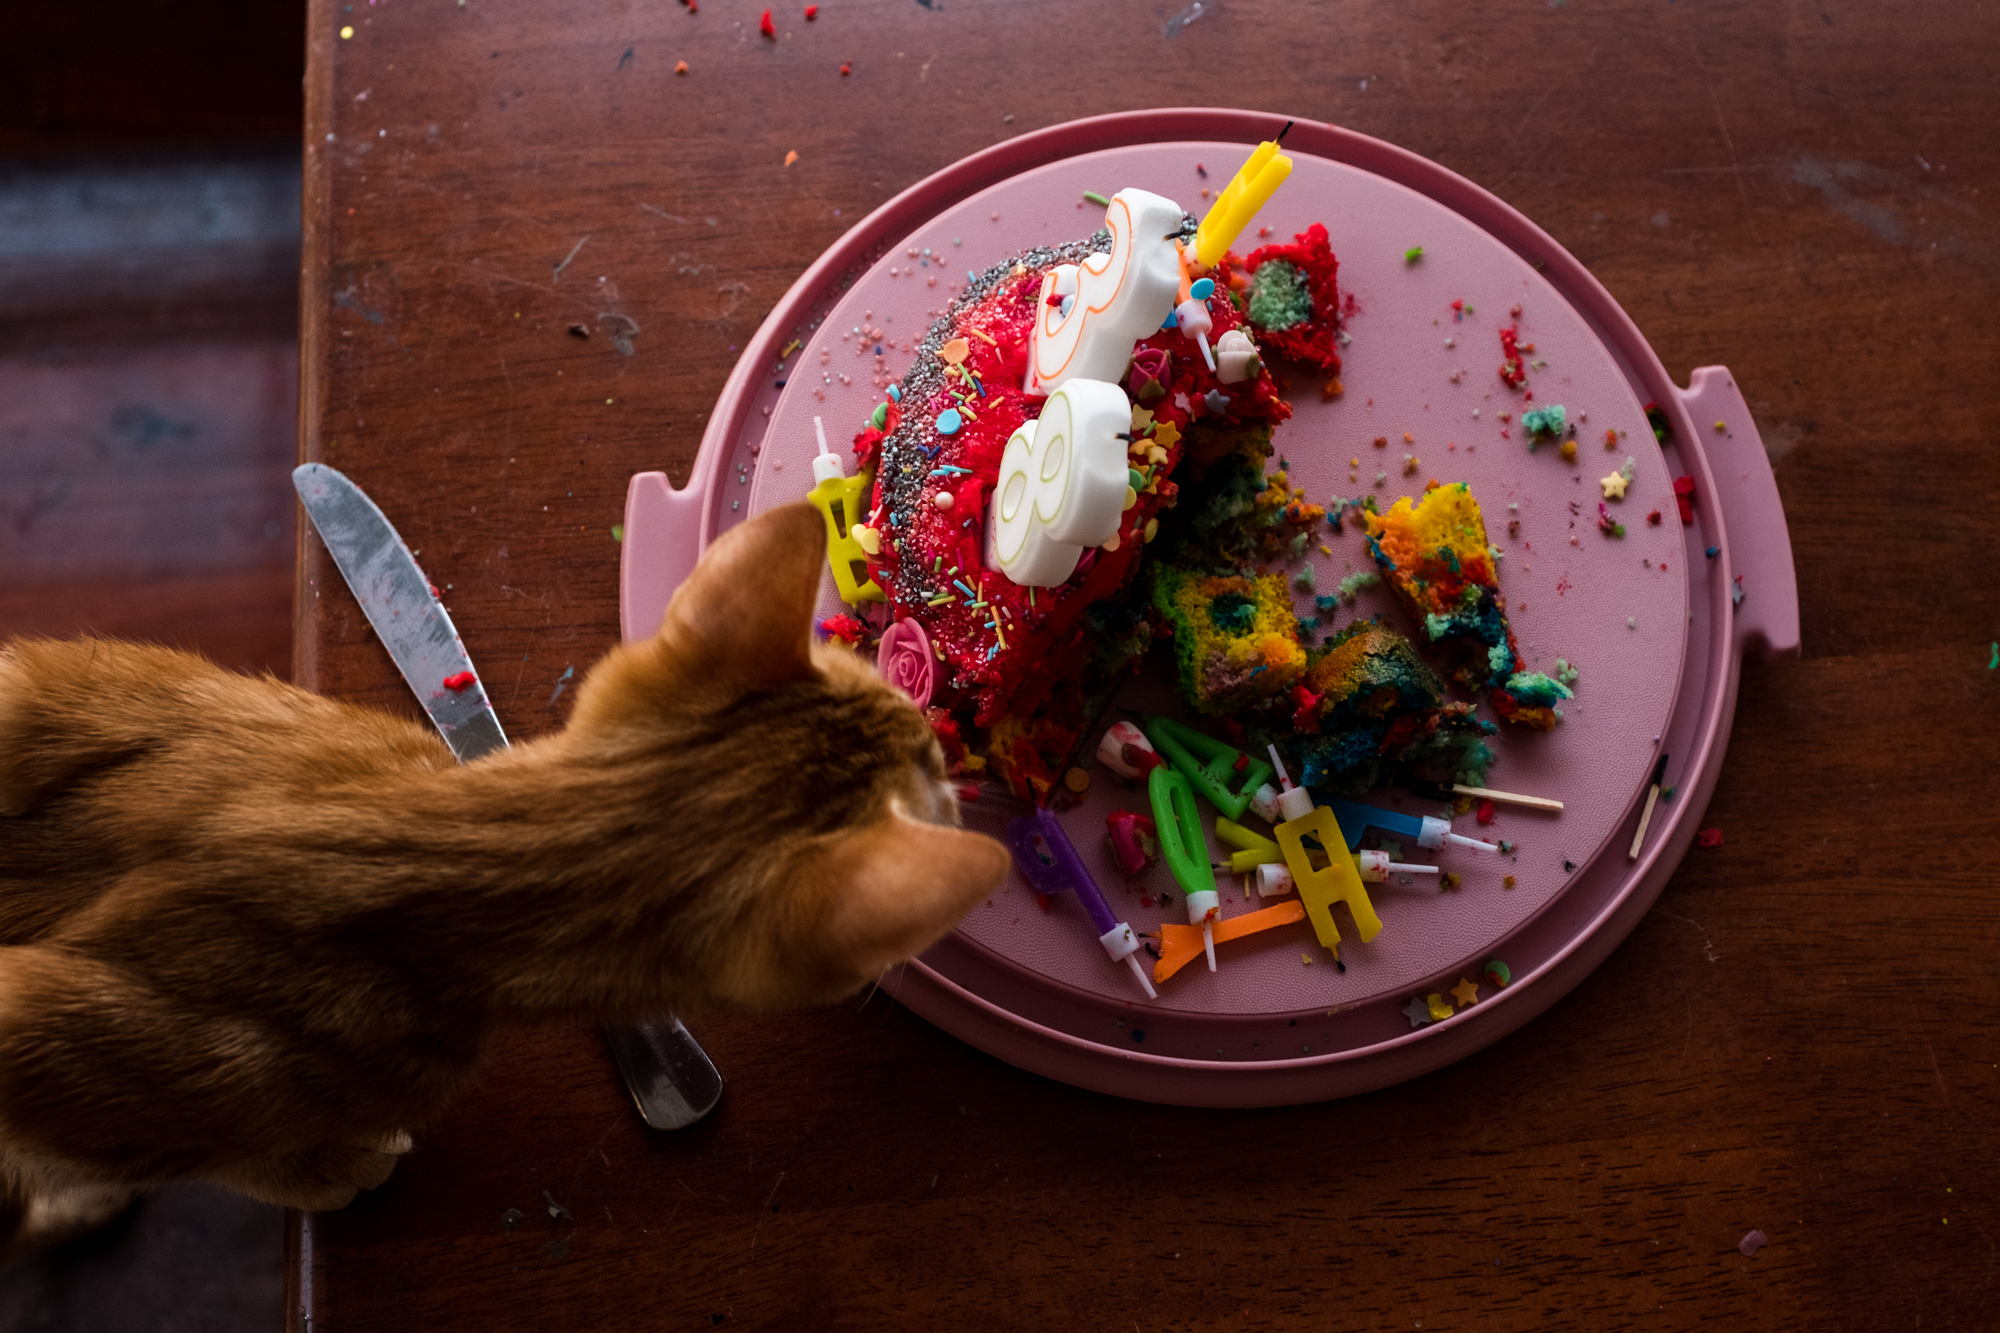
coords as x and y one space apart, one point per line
671 1079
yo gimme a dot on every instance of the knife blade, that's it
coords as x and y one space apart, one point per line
671 1079
404 609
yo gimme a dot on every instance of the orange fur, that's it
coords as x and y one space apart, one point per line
252 935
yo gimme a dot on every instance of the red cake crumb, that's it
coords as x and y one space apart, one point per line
1512 373
1312 341
1134 841
845 628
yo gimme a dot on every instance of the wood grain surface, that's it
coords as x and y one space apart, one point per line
1798 1039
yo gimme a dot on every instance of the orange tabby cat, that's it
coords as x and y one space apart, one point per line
251 935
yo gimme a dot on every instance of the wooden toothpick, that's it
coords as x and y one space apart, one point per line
1508 797
1652 799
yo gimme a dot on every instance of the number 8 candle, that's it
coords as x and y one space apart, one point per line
1062 485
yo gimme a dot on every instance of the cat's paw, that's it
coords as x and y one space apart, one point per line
48 1218
321 1179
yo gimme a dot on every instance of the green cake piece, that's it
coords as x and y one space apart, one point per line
1236 639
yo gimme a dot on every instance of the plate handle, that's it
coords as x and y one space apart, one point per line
1753 517
661 544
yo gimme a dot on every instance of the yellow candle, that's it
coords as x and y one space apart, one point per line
1252 849
840 502
1244 173
837 502
1253 184
1321 887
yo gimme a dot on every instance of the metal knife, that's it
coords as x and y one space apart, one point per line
671 1079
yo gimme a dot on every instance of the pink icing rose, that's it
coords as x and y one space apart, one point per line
1152 374
904 659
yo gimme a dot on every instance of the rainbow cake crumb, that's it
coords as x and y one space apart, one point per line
1236 639
1371 712
1437 559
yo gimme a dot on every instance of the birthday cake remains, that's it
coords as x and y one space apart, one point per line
1081 462
1078 464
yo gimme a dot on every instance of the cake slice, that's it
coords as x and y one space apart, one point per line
1236 639
1371 712
1289 295
1436 557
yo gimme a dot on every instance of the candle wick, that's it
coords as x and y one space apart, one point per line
1282 133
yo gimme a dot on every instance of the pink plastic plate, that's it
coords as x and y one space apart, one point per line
1647 619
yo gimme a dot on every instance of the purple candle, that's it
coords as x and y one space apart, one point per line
1048 861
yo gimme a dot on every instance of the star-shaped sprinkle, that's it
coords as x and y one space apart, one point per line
1142 419
1614 486
1417 1011
1465 992
1166 435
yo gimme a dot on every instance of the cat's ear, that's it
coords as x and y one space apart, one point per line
900 886
747 609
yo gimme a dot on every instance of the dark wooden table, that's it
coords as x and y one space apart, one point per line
1800 1038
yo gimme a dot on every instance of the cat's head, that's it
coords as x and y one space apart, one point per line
827 844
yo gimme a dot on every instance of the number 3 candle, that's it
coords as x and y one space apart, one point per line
1090 314
1063 477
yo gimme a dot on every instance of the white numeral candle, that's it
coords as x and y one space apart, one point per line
1061 487
1108 302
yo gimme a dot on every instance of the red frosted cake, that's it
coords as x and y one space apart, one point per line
1021 669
